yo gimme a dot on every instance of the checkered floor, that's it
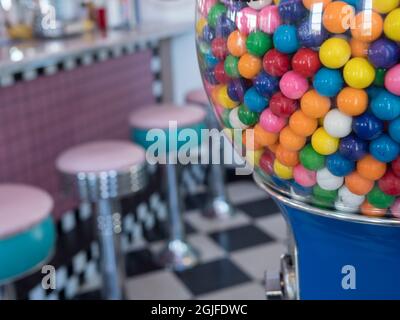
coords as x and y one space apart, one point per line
234 253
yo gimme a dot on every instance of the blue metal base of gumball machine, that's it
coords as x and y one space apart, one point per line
336 255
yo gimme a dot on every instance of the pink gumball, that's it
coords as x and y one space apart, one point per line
247 20
392 80
293 85
272 123
206 5
395 209
304 177
269 19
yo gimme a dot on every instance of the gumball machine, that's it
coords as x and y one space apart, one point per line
313 89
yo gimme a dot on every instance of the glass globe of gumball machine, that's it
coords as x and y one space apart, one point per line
316 83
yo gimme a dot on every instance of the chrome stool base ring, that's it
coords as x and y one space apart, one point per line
219 209
178 255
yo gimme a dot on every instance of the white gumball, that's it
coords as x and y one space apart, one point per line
235 121
350 199
259 4
337 124
340 206
328 181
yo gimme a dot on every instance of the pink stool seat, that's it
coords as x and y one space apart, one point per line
198 97
158 116
101 156
22 207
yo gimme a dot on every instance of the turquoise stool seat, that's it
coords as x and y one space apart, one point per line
27 232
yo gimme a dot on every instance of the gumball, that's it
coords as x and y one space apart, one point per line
358 185
392 25
314 105
385 6
339 166
324 197
282 171
390 184
231 67
267 162
248 117
367 31
384 149
272 123
306 62
287 157
224 99
235 121
263 137
249 142
327 181
236 43
258 4
266 84
395 209
394 130
309 4
352 102
206 5
353 148
220 74
379 199
373 92
367 126
337 16
276 63
369 210
337 124
247 20
258 43
310 38
324 143
225 118
334 53
386 106
380 77
291 141
237 89
392 80
302 125
225 26
396 167
311 159
304 177
282 106
208 34
384 53
359 73
285 39
269 19
359 48
299 192
254 101
292 10
215 12
370 168
328 82
349 198
349 208
249 66
293 85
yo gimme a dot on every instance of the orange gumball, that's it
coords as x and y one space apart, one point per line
352 102
368 26
273 147
264 138
249 141
358 184
314 105
369 210
359 48
291 141
338 16
302 125
309 4
237 43
249 66
370 168
287 157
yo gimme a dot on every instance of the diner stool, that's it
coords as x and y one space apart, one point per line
218 205
101 173
27 233
161 125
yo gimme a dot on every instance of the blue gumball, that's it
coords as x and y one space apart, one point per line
225 26
339 166
292 11
384 149
208 34
300 190
394 130
353 148
285 39
254 101
367 126
210 60
386 106
237 89
310 38
328 82
373 92
265 84
209 75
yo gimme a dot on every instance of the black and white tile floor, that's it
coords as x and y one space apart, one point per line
234 253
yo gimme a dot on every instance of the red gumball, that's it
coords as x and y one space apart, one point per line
396 167
282 106
219 48
276 63
220 73
267 162
390 184
306 62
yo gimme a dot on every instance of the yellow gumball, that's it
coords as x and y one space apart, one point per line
392 25
359 73
253 157
224 99
334 53
324 143
385 6
200 26
283 171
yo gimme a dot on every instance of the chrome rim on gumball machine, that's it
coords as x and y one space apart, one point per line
312 88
